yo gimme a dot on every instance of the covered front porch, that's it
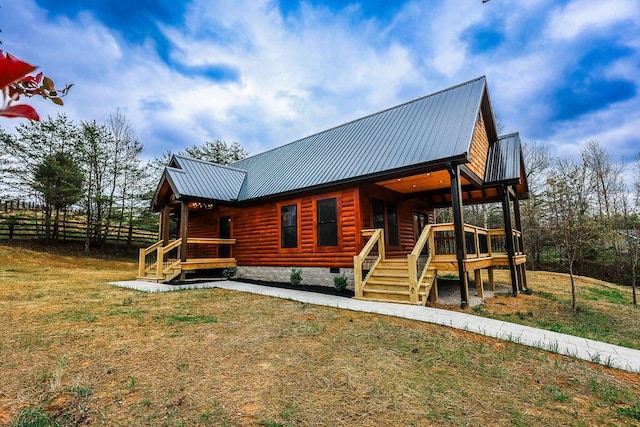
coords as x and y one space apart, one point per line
456 246
169 259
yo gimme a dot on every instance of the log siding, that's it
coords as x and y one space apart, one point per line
479 148
257 232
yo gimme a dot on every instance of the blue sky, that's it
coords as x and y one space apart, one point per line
265 73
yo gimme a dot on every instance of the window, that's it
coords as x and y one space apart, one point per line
378 213
289 226
327 217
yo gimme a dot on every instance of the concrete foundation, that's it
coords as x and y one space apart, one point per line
320 276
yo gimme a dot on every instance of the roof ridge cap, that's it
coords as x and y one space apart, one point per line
209 163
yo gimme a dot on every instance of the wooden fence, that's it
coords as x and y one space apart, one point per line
25 227
7 206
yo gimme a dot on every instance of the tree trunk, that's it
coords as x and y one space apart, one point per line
634 280
47 222
64 222
56 225
574 304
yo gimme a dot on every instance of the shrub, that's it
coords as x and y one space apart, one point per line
296 276
340 282
229 272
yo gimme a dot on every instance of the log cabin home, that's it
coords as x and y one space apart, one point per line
357 199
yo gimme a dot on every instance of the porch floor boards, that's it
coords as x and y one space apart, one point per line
192 264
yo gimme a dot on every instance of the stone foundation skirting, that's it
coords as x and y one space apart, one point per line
321 276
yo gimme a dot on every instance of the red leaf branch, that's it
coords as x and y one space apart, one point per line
15 82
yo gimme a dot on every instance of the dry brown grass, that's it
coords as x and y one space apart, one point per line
91 353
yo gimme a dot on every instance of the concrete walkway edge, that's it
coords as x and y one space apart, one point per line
594 351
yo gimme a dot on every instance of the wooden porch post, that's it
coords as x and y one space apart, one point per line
165 221
160 221
458 224
516 212
508 237
184 223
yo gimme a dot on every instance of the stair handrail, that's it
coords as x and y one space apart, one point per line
377 236
412 261
142 259
160 268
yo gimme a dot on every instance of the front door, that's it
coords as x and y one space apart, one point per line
225 233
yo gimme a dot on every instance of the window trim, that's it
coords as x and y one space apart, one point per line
338 198
279 207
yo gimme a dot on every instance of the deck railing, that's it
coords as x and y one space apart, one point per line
479 242
162 260
368 258
418 261
148 258
499 242
168 258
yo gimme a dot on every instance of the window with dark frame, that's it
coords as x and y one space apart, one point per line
289 226
327 217
378 213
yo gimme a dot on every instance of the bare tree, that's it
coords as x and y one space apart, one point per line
605 177
92 143
538 160
571 226
633 234
124 165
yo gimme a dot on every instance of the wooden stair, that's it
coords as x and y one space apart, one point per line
168 275
389 282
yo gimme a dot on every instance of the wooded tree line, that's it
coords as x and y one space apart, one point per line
92 165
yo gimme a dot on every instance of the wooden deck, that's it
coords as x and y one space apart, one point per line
434 252
207 263
175 260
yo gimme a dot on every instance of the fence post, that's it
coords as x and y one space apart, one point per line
10 231
130 234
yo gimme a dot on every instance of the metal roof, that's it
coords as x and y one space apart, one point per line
503 160
424 131
198 178
419 134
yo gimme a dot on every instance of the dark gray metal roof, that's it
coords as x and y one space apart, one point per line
421 132
503 160
197 178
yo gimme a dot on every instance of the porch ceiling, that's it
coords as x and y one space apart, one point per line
431 181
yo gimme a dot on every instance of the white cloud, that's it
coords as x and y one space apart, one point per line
316 68
588 15
289 69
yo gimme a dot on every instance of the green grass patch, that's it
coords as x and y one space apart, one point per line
630 411
82 391
131 312
610 295
34 417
